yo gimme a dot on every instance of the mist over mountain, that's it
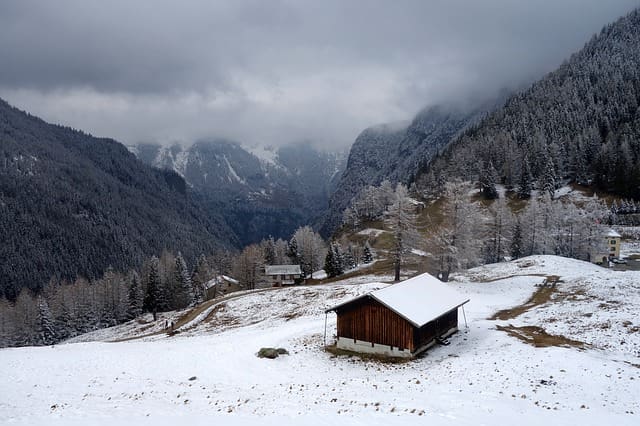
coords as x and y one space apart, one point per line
261 192
579 123
396 152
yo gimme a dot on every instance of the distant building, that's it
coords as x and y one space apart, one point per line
400 320
280 275
612 247
613 243
219 286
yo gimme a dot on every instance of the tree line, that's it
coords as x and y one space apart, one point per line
466 230
63 309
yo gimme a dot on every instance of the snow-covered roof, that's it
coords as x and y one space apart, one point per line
418 300
282 270
613 234
220 278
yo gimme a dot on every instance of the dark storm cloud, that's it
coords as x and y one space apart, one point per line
275 71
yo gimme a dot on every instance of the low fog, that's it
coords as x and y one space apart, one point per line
273 72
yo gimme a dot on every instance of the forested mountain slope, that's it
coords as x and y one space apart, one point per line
72 204
396 152
260 192
580 122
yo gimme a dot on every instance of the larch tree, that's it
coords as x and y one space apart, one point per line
401 221
456 243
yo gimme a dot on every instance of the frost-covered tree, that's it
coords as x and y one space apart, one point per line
311 249
367 255
525 186
201 275
401 221
498 232
333 262
153 298
516 240
183 287
46 330
135 296
455 242
488 181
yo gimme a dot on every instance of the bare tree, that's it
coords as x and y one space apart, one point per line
401 220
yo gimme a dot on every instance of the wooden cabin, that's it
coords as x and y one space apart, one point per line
280 275
400 320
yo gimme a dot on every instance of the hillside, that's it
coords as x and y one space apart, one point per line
396 152
72 204
260 192
491 372
580 122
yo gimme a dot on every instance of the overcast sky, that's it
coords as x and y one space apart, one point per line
271 71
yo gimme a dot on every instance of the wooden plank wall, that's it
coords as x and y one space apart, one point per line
435 328
370 321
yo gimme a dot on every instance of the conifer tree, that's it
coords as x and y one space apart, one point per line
183 283
134 297
548 180
526 180
488 181
269 251
201 275
46 330
516 240
367 255
154 294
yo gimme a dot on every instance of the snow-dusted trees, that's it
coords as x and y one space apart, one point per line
371 203
183 287
488 181
515 248
401 221
248 267
334 261
154 294
311 249
135 296
200 276
562 228
498 232
367 254
455 243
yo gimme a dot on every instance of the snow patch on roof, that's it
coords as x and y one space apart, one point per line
419 299
613 234
282 270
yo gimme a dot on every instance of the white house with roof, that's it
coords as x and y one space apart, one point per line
400 320
610 249
283 274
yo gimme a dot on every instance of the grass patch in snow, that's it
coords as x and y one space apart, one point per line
539 338
540 297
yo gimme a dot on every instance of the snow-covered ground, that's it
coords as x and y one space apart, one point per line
371 232
209 374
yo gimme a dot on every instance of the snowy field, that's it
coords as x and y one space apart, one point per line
209 374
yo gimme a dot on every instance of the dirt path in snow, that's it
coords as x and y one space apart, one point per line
192 314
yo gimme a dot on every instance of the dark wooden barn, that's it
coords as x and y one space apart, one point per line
400 320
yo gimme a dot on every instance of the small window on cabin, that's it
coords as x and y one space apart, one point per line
613 249
613 242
